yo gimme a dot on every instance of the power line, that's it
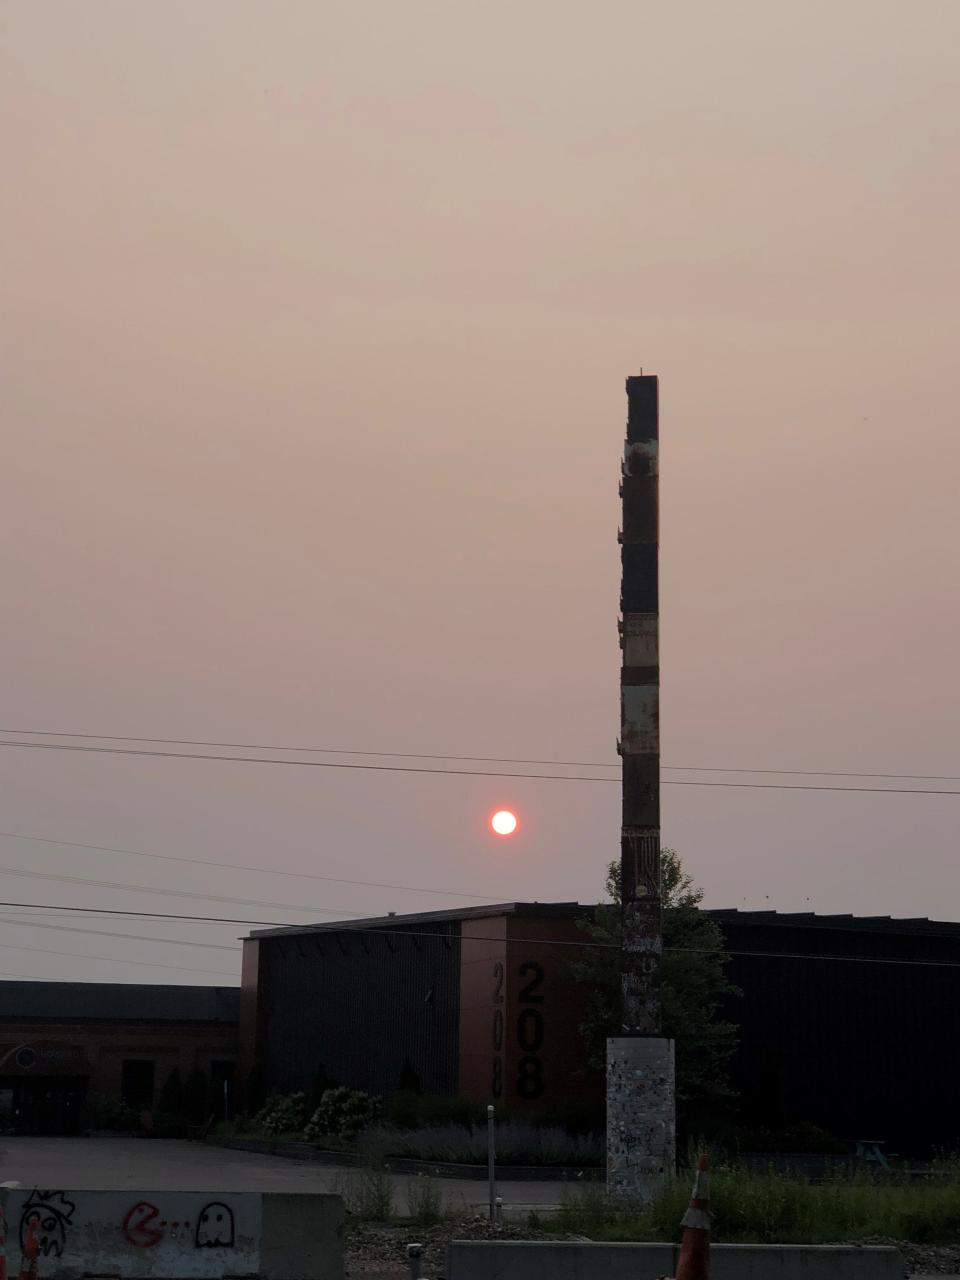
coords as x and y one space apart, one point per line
170 893
789 786
316 751
239 866
800 955
27 977
468 773
424 755
813 773
146 964
343 927
305 764
31 922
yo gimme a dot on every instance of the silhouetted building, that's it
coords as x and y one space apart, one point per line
846 1022
76 1055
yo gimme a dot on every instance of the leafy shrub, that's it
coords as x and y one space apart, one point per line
343 1113
282 1113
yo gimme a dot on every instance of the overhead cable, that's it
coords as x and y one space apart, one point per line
425 755
463 773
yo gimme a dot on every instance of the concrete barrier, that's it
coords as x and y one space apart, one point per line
180 1235
559 1260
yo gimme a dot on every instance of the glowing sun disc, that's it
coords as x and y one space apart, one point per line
503 822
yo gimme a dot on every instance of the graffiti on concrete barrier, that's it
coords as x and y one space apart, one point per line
141 1225
215 1228
46 1216
137 1234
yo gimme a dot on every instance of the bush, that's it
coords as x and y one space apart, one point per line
283 1113
342 1113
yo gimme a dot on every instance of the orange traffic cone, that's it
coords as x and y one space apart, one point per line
694 1262
31 1251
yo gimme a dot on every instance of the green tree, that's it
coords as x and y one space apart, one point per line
694 988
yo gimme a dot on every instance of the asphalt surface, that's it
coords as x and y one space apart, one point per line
156 1164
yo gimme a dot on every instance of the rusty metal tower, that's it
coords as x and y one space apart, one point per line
640 711
640 1063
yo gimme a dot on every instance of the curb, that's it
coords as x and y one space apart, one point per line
402 1164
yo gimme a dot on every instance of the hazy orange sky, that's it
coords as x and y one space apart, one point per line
316 320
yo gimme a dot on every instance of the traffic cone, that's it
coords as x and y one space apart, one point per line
31 1251
694 1262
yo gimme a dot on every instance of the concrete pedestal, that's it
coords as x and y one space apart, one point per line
641 1115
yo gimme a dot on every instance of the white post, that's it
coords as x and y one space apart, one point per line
491 1166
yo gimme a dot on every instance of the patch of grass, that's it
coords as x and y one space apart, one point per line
771 1207
518 1143
424 1201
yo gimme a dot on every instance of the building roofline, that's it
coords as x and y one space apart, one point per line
542 910
572 910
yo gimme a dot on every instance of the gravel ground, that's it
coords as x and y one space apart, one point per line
379 1253
382 1251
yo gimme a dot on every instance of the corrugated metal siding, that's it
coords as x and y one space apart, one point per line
360 1005
860 1048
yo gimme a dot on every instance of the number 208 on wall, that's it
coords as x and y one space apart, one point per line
521 1042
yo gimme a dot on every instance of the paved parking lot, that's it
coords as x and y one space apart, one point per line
154 1164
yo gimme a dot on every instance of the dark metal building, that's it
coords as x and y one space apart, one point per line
849 1023
476 1002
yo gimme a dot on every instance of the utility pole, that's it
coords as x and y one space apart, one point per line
641 1122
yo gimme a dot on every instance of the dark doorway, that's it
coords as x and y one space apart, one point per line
137 1081
221 1088
42 1105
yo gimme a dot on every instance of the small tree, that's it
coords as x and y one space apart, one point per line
693 987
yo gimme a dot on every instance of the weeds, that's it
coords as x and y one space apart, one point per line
368 1194
424 1201
771 1207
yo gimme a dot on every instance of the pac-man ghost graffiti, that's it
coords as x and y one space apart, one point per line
215 1228
50 1212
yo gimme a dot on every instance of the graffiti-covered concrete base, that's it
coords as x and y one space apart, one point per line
641 1115
182 1234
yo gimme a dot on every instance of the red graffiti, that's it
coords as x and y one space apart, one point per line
138 1225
